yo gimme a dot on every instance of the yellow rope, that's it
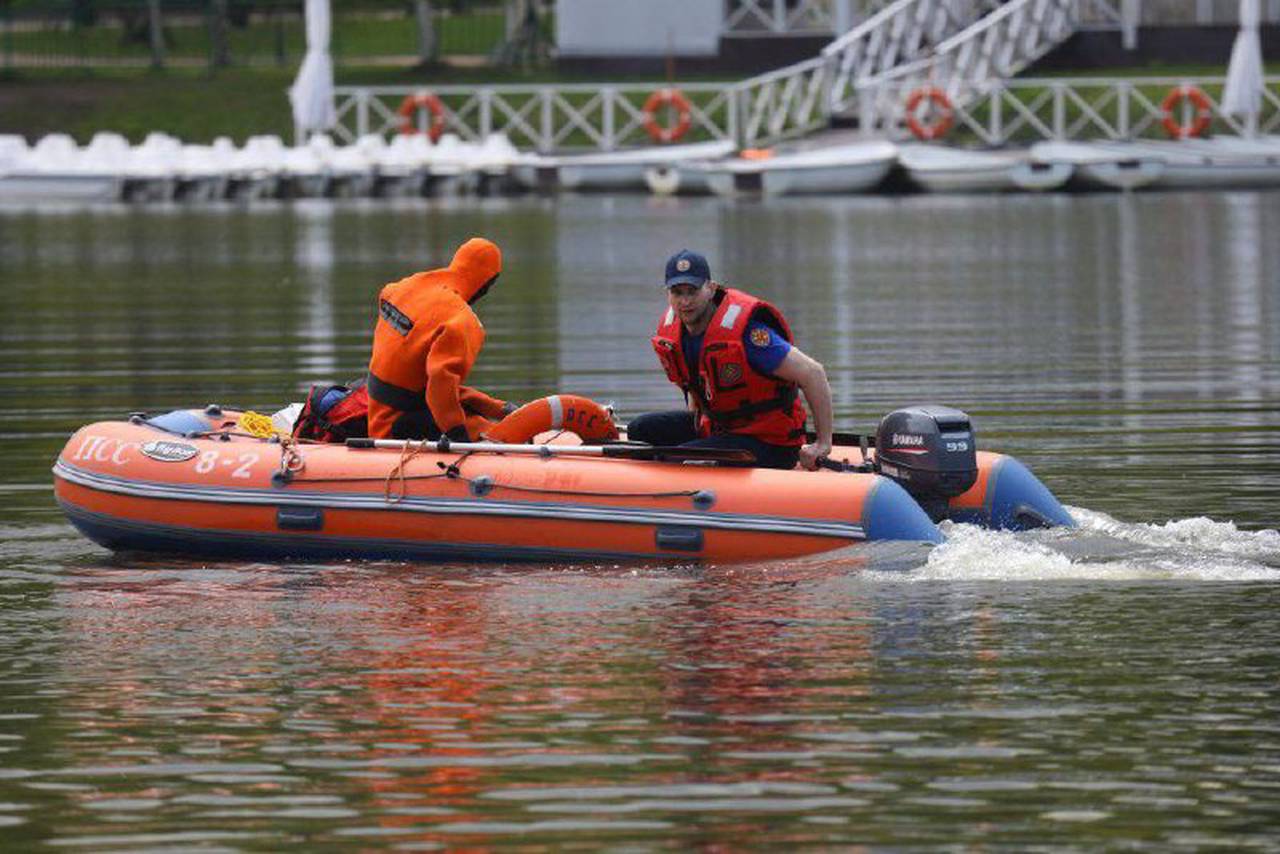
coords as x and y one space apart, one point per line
256 424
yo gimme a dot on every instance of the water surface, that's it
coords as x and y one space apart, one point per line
1109 687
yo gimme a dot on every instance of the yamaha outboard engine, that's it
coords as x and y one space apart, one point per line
930 452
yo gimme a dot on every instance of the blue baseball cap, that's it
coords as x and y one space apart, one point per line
687 268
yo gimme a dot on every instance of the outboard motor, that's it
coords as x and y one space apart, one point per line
930 452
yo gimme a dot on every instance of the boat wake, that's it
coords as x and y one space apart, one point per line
1102 548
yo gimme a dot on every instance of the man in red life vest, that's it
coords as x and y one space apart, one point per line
733 357
424 344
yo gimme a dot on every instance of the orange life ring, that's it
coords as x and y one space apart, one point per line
940 125
580 415
684 115
1198 125
408 113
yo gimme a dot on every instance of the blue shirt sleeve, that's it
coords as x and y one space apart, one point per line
765 348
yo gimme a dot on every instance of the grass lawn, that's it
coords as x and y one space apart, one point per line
280 40
197 106
193 108
1153 70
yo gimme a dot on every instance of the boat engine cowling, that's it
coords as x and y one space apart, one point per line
930 451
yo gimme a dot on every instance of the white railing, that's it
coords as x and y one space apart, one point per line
776 106
1014 112
1008 112
782 104
542 118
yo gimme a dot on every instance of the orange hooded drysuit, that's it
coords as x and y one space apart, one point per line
424 344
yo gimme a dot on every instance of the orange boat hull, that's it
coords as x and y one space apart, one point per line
133 486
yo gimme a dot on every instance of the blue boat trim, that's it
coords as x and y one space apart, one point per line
890 513
1016 500
463 506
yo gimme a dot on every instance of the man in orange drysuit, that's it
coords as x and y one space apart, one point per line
424 344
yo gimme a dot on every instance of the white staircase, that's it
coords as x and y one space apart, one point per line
970 64
959 47
902 32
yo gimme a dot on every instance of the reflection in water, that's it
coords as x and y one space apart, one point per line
1131 327
1242 279
314 259
298 706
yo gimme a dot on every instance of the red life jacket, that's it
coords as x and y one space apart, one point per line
733 396
334 413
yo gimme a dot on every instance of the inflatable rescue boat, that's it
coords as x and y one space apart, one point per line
198 482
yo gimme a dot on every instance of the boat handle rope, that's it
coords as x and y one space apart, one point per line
292 462
485 483
397 473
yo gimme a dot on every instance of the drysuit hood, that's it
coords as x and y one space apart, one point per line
476 263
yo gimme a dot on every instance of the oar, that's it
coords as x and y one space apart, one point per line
622 451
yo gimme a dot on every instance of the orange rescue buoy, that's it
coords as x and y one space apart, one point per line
580 415
674 99
941 123
422 101
1197 99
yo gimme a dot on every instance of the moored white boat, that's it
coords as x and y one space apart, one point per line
402 166
942 169
610 170
256 169
304 173
13 148
852 168
204 171
351 168
1220 162
1102 167
55 169
152 173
